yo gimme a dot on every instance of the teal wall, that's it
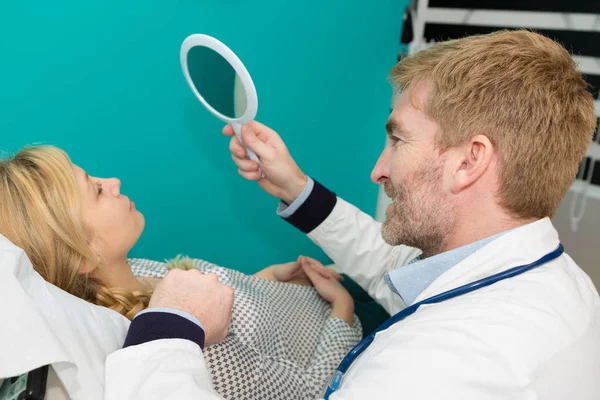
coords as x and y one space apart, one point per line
102 80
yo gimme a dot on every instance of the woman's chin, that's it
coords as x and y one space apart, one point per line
141 223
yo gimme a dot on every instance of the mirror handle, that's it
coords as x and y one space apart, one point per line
237 128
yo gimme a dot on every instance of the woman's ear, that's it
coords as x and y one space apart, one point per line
88 266
473 160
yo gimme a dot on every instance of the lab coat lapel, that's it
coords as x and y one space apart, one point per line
520 246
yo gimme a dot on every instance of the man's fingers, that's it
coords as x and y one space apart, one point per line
266 134
228 130
244 164
251 176
263 150
236 148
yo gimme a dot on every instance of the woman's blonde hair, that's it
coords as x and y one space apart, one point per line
40 212
523 91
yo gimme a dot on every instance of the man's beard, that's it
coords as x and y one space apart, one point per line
419 217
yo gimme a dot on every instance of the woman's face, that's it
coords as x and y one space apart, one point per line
112 218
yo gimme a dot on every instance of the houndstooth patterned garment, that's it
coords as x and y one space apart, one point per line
281 342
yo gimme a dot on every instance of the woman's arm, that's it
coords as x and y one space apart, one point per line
280 378
267 273
330 289
343 309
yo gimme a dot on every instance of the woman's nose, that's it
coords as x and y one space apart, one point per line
114 186
381 171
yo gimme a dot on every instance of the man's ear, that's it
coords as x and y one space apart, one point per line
471 162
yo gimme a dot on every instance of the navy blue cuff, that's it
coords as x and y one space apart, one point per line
162 325
314 210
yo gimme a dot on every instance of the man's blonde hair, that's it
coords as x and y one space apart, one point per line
522 91
40 212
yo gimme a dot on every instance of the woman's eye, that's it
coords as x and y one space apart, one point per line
99 190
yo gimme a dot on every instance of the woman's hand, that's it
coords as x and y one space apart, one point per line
330 289
292 272
288 273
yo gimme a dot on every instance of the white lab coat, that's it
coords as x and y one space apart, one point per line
534 336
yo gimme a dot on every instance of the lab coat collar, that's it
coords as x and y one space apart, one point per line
27 342
522 245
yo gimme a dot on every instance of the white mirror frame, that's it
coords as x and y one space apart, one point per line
243 75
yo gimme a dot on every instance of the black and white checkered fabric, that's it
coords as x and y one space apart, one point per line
281 343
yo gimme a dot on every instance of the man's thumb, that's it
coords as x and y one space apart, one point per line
251 140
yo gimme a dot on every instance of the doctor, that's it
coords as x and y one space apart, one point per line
483 143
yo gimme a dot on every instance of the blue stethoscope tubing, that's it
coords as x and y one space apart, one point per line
459 291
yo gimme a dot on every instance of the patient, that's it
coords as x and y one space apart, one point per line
285 339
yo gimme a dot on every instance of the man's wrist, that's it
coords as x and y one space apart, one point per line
157 325
311 208
290 195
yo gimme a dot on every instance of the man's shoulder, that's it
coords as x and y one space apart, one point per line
523 319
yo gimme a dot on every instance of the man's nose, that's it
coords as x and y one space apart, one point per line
381 171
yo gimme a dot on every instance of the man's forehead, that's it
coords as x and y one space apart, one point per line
414 96
408 115
402 113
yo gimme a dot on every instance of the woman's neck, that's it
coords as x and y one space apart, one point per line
119 274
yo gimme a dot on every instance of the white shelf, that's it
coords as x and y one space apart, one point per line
514 19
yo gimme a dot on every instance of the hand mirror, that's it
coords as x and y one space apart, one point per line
220 81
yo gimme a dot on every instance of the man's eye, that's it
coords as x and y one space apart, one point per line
394 140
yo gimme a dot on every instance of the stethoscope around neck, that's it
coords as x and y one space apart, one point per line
338 376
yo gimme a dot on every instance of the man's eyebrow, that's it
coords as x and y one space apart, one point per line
391 126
